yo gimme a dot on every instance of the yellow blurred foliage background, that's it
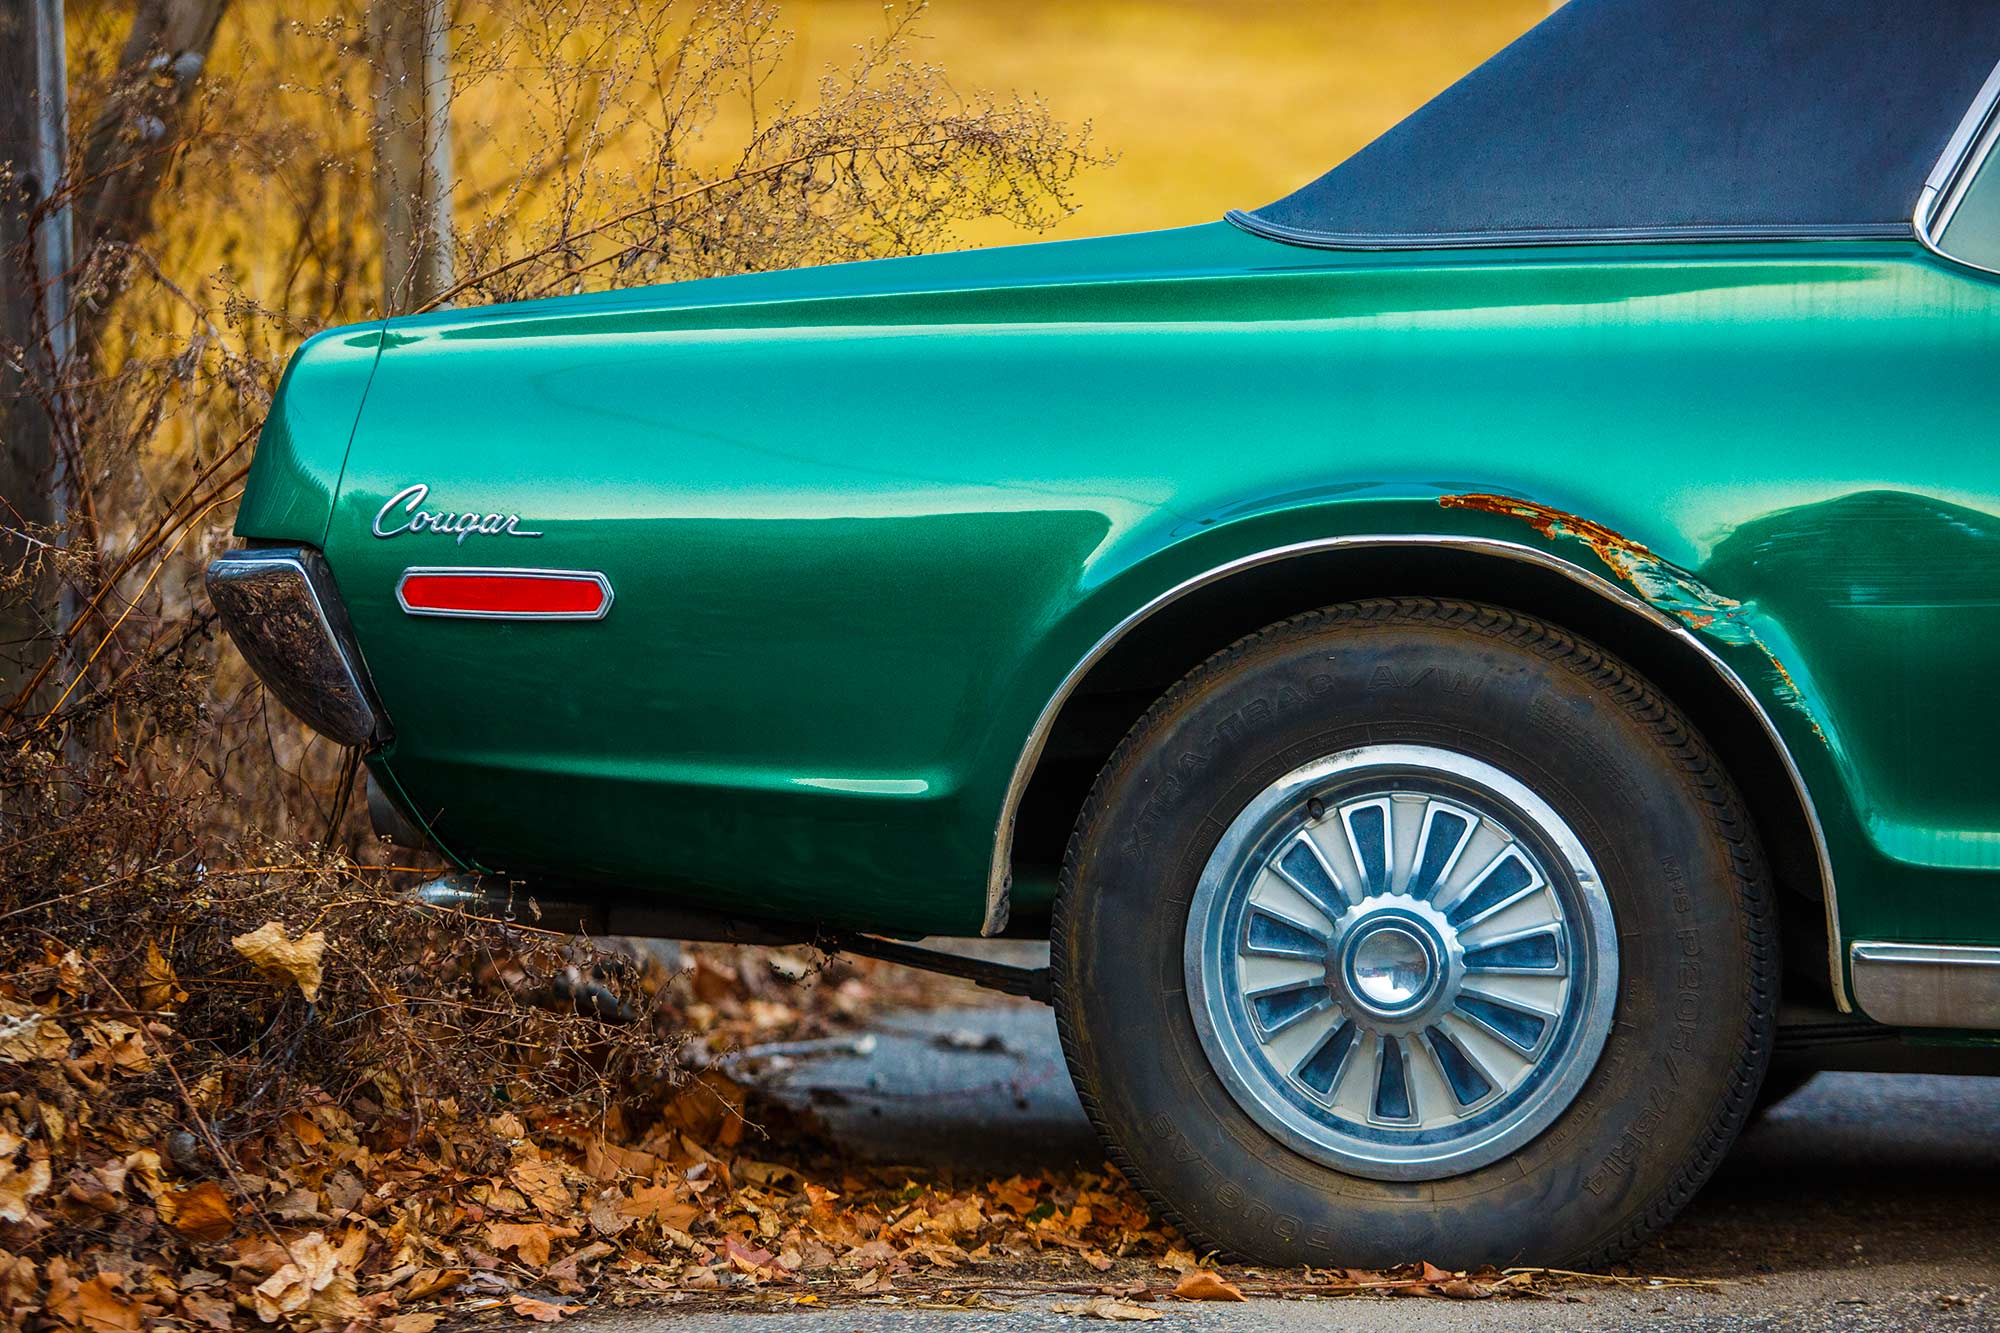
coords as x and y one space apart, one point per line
1209 104
1206 104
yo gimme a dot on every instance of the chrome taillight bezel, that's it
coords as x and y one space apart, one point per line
283 611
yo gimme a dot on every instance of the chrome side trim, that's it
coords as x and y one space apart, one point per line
999 879
420 571
1964 153
1928 985
1557 236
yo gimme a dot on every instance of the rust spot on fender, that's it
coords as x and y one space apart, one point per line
1659 582
1620 552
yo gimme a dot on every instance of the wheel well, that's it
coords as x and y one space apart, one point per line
1144 664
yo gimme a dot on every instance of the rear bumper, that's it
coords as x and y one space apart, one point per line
284 613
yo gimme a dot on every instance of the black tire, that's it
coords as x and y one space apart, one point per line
1697 941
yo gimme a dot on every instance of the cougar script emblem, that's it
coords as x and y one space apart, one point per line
415 518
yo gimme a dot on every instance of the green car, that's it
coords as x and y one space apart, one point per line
1481 669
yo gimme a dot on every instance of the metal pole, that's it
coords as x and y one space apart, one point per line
413 177
35 259
54 242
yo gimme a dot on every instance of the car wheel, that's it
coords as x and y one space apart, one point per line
1415 930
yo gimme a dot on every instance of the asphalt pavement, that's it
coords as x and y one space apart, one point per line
1865 1202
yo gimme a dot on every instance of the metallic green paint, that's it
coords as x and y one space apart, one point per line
289 496
862 521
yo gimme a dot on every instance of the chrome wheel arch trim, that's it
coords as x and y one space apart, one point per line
999 881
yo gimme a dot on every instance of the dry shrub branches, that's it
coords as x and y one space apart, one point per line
171 1025
243 1077
625 122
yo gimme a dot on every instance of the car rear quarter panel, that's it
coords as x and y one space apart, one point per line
296 470
858 541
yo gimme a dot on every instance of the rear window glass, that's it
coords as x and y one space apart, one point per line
1974 232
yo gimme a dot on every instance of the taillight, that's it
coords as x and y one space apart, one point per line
505 594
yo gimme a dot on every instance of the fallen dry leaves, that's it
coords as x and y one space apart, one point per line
390 1203
271 951
1200 1284
544 1312
201 1212
389 1207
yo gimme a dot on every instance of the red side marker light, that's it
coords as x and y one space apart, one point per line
505 594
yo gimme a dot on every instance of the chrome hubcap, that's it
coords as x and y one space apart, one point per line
1401 962
1391 969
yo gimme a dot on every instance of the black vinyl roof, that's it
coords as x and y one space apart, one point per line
1627 119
